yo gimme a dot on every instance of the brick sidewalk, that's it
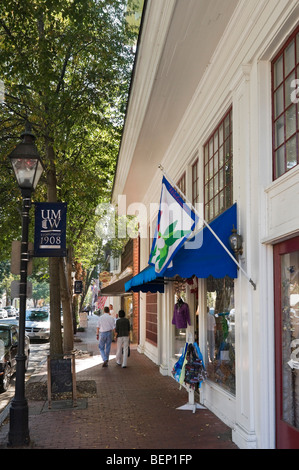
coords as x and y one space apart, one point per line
134 408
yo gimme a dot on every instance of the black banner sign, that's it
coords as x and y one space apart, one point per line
50 229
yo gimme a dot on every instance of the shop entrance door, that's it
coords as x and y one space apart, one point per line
286 287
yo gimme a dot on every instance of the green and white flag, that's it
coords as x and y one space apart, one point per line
176 222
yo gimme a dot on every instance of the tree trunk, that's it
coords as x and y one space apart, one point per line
55 330
55 321
68 338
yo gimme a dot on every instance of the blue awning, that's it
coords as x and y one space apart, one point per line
203 256
146 281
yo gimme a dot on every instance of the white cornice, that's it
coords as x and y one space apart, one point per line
155 28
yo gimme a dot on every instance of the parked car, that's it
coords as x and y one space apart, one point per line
3 313
9 335
11 311
37 324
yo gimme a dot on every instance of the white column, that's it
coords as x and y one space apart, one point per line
244 431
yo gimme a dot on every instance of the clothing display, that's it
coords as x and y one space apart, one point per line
190 368
181 314
195 372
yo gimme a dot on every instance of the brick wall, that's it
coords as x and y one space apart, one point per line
136 264
151 318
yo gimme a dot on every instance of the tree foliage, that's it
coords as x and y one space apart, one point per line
66 67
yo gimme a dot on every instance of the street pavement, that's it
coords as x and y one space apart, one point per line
128 409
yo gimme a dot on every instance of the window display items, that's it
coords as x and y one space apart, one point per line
190 369
181 314
220 357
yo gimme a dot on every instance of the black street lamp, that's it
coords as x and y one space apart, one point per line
28 169
235 241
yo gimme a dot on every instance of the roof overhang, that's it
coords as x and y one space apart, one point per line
177 42
116 288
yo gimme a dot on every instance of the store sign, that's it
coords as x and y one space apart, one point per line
104 278
50 229
78 287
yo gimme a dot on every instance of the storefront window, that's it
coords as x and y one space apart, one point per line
180 336
218 169
285 75
185 318
290 337
220 360
179 341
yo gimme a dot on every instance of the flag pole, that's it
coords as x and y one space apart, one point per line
208 226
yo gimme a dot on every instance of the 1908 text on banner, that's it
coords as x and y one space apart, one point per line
50 229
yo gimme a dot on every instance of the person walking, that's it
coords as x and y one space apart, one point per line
105 327
122 330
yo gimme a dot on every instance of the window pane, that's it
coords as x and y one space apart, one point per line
227 149
279 162
221 201
289 89
216 141
289 58
206 154
221 179
279 132
290 121
278 102
206 173
221 150
211 189
221 134
211 168
216 162
226 127
291 153
216 201
211 148
216 186
278 72
206 193
211 210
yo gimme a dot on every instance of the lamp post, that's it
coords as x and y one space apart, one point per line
28 169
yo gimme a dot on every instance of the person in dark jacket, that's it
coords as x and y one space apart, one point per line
122 330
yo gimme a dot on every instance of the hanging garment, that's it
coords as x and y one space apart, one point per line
194 368
177 369
181 315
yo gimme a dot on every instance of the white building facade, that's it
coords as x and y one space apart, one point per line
214 101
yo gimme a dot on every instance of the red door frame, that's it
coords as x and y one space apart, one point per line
287 437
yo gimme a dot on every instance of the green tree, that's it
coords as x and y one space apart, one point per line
66 67
40 291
